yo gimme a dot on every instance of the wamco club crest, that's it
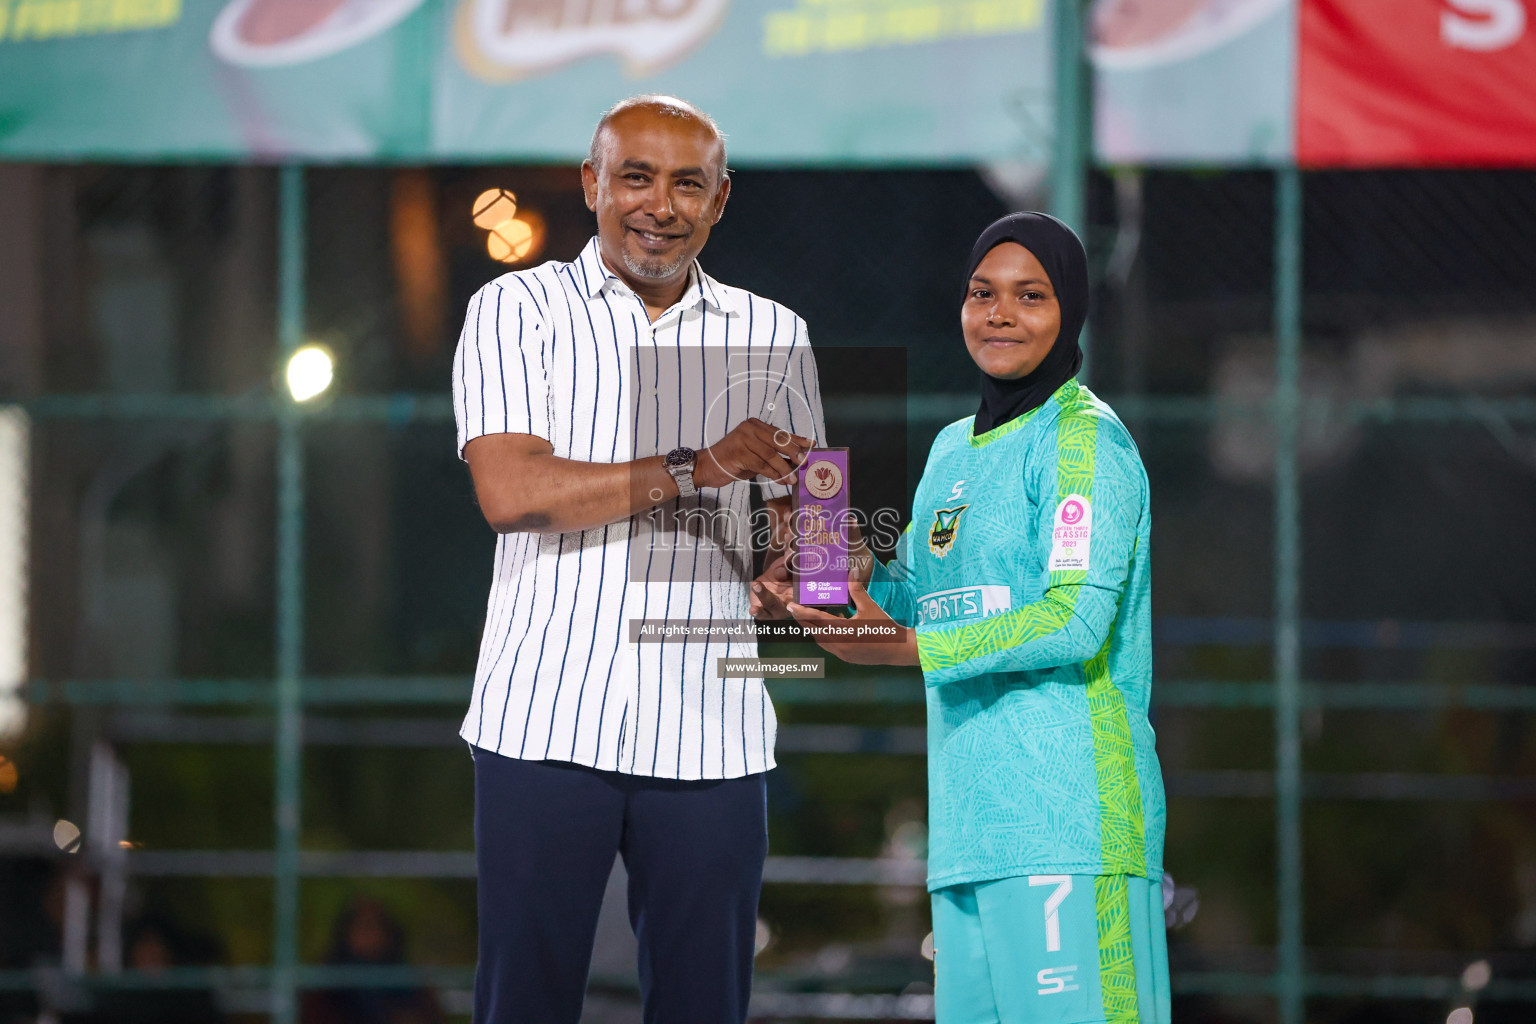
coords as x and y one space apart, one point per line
941 535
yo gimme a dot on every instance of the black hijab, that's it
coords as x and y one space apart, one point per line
1060 252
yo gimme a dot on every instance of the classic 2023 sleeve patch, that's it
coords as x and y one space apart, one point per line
1071 535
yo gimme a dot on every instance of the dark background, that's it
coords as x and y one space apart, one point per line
152 540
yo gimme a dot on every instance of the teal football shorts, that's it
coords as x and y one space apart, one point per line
1051 949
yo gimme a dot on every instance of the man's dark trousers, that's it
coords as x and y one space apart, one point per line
545 837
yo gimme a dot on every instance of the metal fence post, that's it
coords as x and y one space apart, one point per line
1073 135
290 607
1288 254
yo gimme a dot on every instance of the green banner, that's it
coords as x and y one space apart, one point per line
802 81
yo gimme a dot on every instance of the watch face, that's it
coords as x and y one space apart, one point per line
679 457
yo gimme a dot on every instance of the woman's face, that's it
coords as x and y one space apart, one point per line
1010 318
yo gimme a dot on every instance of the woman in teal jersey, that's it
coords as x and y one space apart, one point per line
1023 582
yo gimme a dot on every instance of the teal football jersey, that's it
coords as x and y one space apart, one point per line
1025 572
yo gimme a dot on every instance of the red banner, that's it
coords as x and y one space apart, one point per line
1416 83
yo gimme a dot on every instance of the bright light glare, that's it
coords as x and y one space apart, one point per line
310 371
493 206
510 241
763 938
1477 976
66 836
1460 1015
927 947
512 236
15 504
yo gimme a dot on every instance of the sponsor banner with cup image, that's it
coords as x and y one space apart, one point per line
789 80
1328 83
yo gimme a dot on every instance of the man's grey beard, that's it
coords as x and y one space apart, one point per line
653 268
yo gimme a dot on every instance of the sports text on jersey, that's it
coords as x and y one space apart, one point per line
964 603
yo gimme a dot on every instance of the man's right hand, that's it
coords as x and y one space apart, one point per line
752 449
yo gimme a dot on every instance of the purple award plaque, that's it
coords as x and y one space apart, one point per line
821 502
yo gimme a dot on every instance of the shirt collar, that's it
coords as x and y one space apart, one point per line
594 278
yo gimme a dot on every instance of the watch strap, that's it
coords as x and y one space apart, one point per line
683 474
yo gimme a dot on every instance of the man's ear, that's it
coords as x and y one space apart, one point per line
589 184
720 198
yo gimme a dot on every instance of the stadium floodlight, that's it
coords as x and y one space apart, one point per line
310 372
66 836
514 235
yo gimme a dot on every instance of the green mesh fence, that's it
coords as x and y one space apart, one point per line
260 620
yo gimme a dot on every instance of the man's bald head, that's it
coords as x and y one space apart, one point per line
658 106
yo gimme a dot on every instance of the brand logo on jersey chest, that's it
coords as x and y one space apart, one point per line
946 524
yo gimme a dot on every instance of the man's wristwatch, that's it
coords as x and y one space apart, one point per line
679 462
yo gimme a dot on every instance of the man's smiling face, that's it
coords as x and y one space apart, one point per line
657 189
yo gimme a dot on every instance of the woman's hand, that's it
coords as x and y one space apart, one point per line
772 590
902 651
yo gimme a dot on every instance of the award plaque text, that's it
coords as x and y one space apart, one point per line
821 562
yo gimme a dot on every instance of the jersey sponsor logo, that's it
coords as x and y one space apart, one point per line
957 490
1071 535
964 603
1055 980
946 524
823 479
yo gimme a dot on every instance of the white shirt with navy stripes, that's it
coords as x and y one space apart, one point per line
566 352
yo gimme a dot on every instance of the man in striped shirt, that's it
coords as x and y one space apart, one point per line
613 411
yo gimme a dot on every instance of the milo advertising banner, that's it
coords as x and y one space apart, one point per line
789 80
1221 82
